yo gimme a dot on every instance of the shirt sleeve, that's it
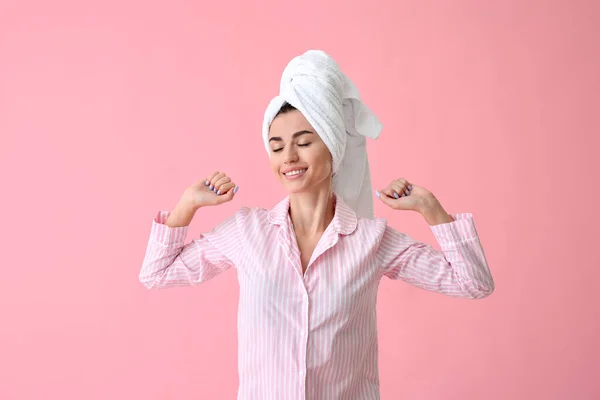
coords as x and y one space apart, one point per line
459 270
170 262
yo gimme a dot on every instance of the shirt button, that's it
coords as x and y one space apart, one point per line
302 333
301 373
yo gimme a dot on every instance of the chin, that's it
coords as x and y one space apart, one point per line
293 187
308 184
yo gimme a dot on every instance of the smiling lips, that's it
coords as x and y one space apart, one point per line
295 173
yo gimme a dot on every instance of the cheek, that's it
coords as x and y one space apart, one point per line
322 160
274 163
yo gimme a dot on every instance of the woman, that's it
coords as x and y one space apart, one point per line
309 268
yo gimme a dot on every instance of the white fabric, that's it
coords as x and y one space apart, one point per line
314 84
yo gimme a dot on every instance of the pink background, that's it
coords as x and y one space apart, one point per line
109 110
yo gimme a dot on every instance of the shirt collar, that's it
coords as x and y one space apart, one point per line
344 220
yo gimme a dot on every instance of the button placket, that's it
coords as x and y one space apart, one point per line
303 337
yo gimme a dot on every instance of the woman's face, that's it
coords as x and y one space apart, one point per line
298 156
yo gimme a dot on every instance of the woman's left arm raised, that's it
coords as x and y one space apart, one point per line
459 270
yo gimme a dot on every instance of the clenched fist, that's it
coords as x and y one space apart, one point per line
214 190
403 195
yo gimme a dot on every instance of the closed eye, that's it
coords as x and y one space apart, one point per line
299 145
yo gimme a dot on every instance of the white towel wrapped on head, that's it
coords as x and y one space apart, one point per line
314 84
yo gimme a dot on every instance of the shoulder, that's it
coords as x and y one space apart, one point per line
251 213
251 218
371 224
379 230
244 221
375 227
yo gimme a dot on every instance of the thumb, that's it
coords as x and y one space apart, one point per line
229 195
402 203
388 201
226 197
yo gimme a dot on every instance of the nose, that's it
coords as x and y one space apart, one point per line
290 156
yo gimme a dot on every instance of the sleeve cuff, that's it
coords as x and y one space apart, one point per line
165 235
462 229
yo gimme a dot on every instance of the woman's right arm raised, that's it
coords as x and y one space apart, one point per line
169 261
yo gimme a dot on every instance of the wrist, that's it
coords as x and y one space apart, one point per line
181 215
187 202
434 213
185 205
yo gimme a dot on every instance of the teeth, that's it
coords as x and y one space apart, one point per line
295 172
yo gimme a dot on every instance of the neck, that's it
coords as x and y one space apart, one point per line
311 212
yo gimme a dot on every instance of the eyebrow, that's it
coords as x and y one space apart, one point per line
294 136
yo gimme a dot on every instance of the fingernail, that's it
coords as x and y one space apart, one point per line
377 193
409 187
211 187
207 183
219 191
236 189
396 195
406 192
